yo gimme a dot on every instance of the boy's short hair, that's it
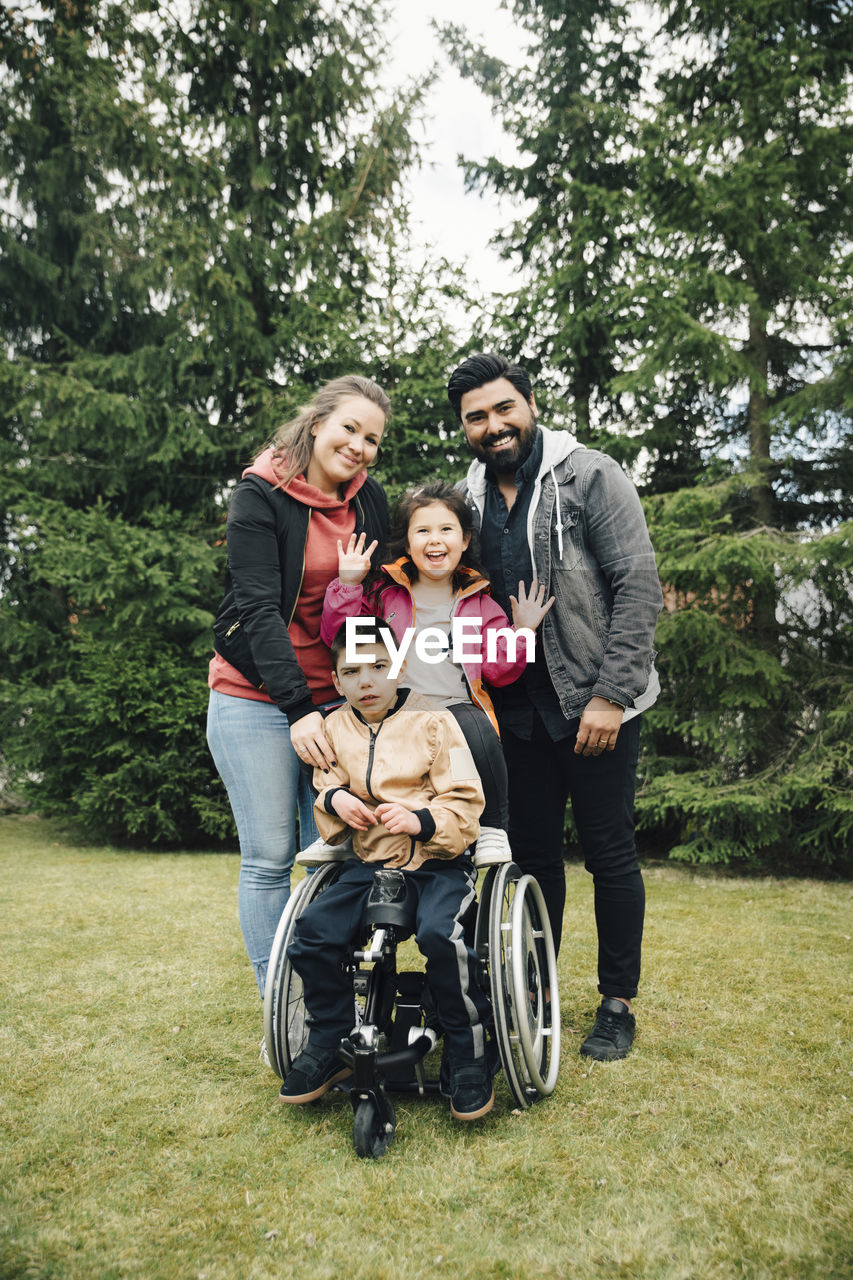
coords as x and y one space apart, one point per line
369 633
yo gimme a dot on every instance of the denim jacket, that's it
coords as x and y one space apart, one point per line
590 546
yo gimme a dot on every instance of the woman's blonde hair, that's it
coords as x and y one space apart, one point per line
293 443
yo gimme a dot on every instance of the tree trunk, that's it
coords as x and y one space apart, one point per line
764 624
759 427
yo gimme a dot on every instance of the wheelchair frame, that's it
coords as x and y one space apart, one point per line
512 939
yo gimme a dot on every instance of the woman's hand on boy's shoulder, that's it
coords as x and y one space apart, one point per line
354 563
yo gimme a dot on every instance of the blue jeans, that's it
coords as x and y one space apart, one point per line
266 785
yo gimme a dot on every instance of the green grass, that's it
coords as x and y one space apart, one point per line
142 1138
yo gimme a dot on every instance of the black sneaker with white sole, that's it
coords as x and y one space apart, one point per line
472 1093
313 1073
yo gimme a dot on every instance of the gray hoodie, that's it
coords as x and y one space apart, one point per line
590 547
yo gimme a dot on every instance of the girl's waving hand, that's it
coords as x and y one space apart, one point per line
529 609
354 563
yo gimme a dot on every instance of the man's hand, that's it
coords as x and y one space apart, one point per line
529 610
599 727
353 811
354 563
310 743
398 819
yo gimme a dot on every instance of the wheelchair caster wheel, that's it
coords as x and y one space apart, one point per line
373 1132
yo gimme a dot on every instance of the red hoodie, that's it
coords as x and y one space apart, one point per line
331 519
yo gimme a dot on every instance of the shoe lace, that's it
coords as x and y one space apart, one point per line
607 1025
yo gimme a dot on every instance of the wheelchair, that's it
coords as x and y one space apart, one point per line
395 1025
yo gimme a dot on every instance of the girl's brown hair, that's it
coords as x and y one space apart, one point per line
426 496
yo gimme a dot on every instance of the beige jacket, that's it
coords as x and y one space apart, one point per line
418 757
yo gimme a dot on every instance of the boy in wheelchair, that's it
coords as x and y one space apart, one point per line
405 785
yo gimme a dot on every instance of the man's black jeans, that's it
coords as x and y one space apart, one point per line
543 775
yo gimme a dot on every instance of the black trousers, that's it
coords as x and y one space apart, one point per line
543 776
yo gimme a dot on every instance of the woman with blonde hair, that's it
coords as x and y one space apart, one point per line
270 676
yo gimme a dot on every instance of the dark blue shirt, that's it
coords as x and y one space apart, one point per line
505 555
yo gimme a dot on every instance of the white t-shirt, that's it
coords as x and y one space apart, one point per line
443 683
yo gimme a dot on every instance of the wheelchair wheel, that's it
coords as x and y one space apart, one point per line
285 1032
522 967
534 973
373 1132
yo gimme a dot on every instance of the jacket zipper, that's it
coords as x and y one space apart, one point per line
462 595
302 571
370 751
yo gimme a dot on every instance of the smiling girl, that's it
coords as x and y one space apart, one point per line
430 577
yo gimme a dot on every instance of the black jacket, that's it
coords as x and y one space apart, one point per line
266 533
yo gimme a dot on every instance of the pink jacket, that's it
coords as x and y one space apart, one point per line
395 604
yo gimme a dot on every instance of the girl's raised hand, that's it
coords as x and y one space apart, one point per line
354 563
529 609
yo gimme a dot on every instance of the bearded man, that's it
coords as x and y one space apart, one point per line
552 512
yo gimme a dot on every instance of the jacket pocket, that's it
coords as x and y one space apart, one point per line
231 643
569 539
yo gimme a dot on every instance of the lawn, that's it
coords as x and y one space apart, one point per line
143 1138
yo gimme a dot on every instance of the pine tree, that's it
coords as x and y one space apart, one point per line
189 204
687 276
745 189
743 199
569 111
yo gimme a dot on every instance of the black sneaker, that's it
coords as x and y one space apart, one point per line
472 1093
613 1033
313 1073
493 1062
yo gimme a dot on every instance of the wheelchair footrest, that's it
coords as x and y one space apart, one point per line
368 1065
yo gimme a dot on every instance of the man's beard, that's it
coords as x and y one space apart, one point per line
513 456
